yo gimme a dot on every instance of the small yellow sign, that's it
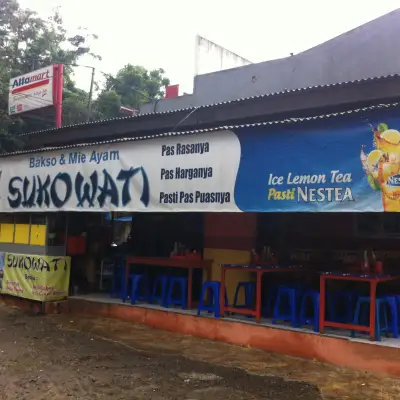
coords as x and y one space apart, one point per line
34 277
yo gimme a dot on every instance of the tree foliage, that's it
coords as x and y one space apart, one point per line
131 86
29 42
107 105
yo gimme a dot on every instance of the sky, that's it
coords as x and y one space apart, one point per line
161 33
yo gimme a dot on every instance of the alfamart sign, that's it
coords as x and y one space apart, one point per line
246 169
31 91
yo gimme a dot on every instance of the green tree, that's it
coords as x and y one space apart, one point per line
132 86
75 103
28 42
107 105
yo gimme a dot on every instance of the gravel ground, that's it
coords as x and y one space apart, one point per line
82 357
40 360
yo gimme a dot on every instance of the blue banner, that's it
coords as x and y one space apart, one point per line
348 167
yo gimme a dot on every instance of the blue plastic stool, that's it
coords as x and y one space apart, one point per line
397 300
268 301
162 282
394 322
249 294
292 295
181 300
345 298
312 296
137 280
213 289
272 294
382 325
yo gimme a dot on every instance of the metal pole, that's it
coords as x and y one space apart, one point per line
58 72
89 116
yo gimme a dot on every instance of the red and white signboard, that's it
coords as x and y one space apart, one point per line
31 91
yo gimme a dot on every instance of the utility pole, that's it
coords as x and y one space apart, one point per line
89 113
58 76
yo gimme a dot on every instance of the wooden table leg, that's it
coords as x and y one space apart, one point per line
372 314
190 287
322 296
258 296
222 293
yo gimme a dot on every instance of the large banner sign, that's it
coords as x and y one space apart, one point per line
186 174
42 278
352 167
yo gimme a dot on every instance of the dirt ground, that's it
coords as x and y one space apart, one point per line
79 357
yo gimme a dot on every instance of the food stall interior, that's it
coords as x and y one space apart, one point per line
349 276
117 236
351 252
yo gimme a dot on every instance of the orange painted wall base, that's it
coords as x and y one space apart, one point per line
336 351
342 352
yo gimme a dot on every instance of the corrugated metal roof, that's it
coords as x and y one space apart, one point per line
305 89
197 131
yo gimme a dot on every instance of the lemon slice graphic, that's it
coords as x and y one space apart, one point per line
373 159
392 136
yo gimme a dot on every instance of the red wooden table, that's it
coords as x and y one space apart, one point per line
372 279
260 271
189 263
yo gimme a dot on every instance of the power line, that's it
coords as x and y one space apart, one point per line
184 118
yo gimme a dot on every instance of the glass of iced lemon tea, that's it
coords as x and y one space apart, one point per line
384 163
